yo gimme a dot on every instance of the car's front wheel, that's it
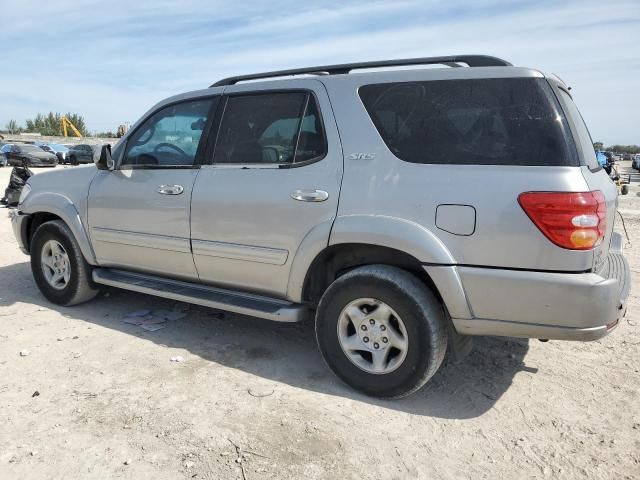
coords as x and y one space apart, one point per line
58 266
381 330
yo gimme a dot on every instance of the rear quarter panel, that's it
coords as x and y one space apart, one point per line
380 184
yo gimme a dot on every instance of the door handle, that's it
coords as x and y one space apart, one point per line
305 195
170 189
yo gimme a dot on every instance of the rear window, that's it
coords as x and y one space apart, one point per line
505 121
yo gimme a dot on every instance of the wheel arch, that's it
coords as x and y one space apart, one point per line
336 260
50 206
353 240
356 240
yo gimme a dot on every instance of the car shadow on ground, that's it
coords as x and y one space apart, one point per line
287 352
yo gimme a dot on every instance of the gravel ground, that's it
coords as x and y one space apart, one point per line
97 398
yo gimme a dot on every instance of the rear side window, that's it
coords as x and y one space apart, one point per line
270 128
503 121
584 137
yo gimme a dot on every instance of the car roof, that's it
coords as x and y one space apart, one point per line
378 76
343 68
384 72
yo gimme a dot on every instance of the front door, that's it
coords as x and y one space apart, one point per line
139 213
274 177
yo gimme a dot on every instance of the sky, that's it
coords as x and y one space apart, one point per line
111 61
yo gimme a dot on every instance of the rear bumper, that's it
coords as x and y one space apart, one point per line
19 222
563 306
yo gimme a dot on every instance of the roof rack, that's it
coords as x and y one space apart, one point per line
470 60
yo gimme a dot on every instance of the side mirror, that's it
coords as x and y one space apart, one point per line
105 162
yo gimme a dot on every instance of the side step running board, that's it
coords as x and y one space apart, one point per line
231 301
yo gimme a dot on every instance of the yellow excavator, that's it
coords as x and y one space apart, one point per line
65 122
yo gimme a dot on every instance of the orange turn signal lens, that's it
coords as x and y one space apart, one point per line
584 238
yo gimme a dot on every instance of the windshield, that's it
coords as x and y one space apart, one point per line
58 148
29 149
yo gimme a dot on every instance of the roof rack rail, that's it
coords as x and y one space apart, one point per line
470 60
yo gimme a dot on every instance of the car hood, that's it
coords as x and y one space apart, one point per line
60 189
59 180
40 156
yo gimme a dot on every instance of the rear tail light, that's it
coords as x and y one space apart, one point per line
573 220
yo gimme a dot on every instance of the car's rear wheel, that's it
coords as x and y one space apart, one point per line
73 160
58 266
381 330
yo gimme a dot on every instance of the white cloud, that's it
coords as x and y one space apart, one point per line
110 61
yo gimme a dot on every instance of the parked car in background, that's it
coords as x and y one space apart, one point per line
627 156
34 156
3 157
635 163
78 154
58 150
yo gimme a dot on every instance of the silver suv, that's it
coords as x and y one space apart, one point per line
405 209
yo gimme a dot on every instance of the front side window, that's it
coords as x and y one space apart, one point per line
270 128
497 121
170 137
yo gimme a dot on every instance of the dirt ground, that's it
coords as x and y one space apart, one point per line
98 398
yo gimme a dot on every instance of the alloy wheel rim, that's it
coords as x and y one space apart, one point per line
55 264
372 336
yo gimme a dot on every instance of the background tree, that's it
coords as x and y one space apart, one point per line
13 127
105 135
617 148
49 124
624 148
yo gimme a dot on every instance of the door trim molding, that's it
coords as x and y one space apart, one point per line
234 251
147 240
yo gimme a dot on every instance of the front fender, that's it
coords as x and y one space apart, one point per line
61 206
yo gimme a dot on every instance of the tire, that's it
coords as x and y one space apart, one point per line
420 313
73 161
79 287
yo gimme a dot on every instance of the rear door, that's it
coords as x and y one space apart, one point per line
274 177
139 213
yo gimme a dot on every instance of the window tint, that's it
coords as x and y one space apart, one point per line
170 137
511 121
311 143
270 128
584 137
